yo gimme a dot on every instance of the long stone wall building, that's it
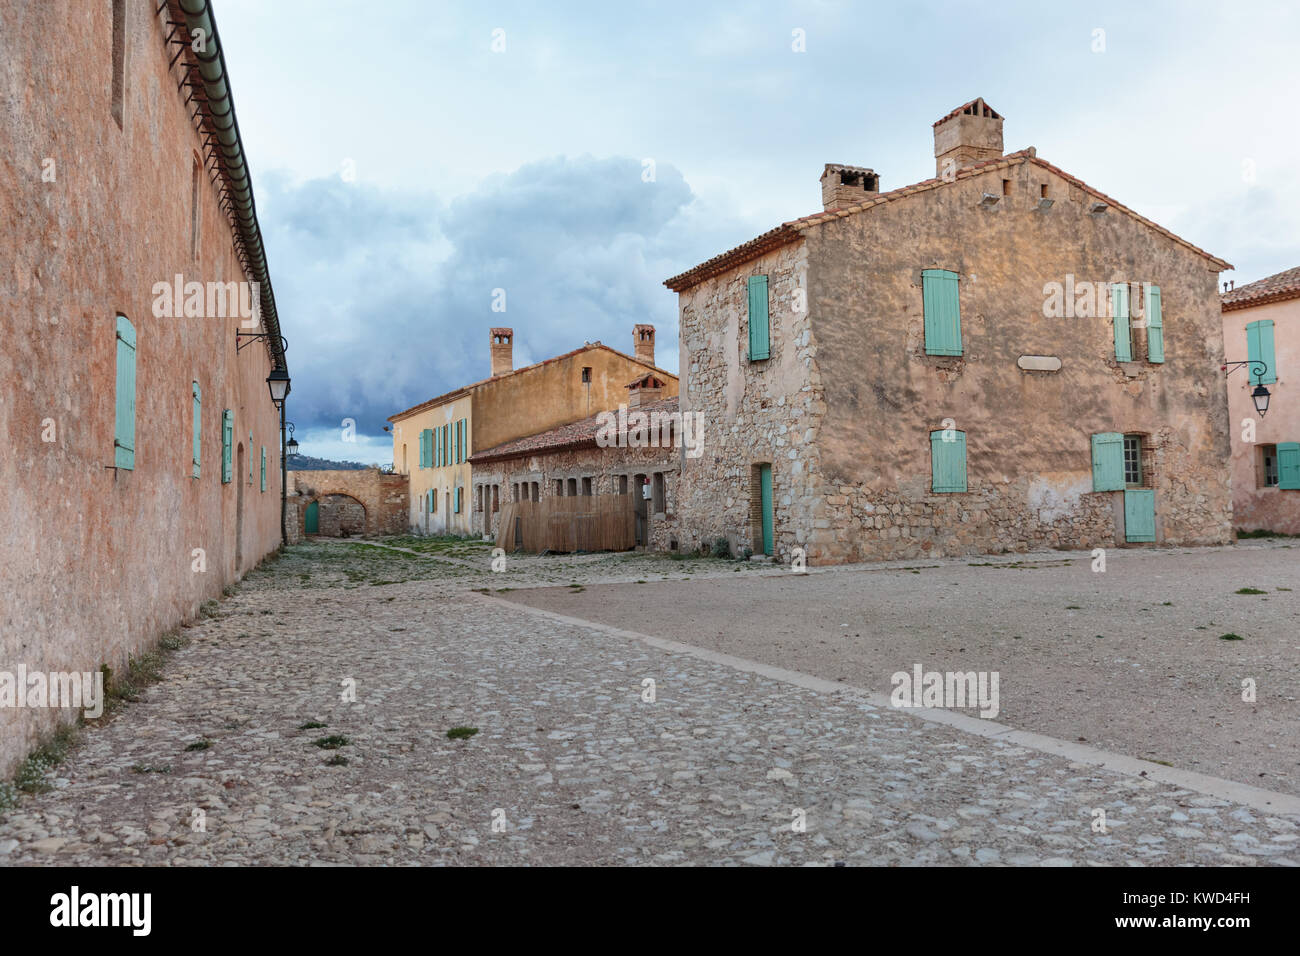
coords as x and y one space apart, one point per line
1261 324
142 451
998 358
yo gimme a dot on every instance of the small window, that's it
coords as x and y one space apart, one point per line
124 413
573 487
559 487
586 487
622 484
537 491
586 375
1042 191
1006 187
1133 461
659 503
1267 472
118 108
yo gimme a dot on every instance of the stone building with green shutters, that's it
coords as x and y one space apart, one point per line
998 358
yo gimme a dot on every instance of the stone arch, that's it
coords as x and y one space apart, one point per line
339 515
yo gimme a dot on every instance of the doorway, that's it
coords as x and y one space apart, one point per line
311 522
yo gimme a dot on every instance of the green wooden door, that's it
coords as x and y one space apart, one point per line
765 478
1139 514
312 521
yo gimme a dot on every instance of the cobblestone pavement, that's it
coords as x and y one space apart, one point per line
570 764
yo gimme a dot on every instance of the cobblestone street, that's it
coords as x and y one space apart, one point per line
569 764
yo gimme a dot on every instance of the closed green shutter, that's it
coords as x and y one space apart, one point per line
1288 465
765 504
1259 348
250 458
1155 326
947 462
760 345
227 443
124 419
457 499
1119 310
198 427
460 441
1108 462
942 307
264 468
1139 514
426 456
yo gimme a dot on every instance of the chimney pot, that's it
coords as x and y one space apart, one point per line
643 343
969 134
502 351
847 185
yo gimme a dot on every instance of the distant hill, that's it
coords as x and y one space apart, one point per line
308 463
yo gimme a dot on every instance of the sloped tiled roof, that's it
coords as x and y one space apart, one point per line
1276 288
572 435
793 230
465 389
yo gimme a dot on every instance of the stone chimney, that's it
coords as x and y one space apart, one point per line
847 185
643 342
968 134
503 361
646 389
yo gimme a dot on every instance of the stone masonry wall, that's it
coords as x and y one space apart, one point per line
382 495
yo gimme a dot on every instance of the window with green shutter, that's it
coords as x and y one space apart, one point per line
942 309
760 346
426 452
227 443
1259 348
1288 465
1108 462
947 461
197 438
458 499
1155 325
264 468
124 416
1123 329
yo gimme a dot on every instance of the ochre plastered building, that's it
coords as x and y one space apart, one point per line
433 441
883 378
142 450
1261 321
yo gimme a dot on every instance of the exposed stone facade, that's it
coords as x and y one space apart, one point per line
844 407
349 502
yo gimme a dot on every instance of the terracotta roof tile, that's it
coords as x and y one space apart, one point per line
1275 288
572 435
976 107
791 231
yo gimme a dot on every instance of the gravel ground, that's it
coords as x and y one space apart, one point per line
570 760
1130 660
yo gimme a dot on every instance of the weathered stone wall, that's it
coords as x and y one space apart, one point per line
604 466
844 407
359 501
95 562
1255 505
753 412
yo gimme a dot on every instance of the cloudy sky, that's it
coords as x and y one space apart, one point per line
409 158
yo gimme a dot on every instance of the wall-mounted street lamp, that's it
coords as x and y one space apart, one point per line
1260 395
278 383
292 446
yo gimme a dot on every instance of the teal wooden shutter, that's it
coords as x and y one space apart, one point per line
1288 465
457 499
124 418
1108 462
1119 310
1155 326
942 308
460 440
264 468
197 402
227 443
760 345
947 462
1140 514
1259 348
765 503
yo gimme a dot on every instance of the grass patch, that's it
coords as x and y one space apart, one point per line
332 742
1263 533
32 776
203 744
1163 763
461 733
312 725
1231 637
1249 591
